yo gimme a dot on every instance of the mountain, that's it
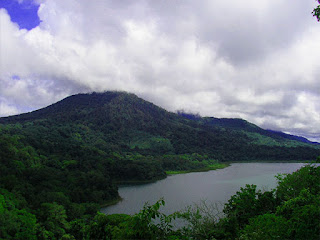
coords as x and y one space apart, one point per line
84 145
123 122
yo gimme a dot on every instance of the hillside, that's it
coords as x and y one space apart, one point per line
123 122
69 158
258 135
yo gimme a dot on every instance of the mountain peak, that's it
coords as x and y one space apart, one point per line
72 105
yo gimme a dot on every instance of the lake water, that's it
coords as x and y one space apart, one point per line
182 190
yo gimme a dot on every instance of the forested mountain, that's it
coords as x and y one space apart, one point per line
123 122
69 157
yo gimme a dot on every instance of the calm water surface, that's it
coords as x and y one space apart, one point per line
180 191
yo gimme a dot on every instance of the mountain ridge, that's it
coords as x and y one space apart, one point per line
221 122
129 123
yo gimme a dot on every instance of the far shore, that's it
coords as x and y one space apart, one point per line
111 202
206 169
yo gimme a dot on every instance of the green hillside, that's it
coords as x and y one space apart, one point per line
122 122
69 158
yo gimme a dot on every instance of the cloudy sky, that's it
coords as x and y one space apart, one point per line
256 60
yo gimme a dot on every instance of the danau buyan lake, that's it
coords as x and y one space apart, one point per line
214 187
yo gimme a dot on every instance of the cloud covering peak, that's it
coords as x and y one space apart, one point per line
257 60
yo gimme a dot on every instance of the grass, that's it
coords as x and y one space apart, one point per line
208 168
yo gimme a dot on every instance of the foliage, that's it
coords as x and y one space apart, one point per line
267 226
316 11
143 224
149 223
297 210
201 220
53 220
15 222
291 185
244 205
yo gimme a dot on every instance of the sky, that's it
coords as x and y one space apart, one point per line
249 59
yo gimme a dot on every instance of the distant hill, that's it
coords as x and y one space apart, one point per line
292 137
264 137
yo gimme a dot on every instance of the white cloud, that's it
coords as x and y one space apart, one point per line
258 60
7 109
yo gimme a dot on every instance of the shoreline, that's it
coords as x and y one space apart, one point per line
111 202
206 169
138 182
271 161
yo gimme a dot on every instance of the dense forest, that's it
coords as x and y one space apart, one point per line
60 164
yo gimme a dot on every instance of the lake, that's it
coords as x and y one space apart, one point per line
182 190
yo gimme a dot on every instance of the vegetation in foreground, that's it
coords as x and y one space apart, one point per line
291 211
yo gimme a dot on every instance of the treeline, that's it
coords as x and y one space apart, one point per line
291 211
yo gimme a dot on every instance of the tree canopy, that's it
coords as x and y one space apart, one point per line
316 11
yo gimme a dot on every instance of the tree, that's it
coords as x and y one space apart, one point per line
15 223
316 11
54 221
302 213
98 228
267 226
290 185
